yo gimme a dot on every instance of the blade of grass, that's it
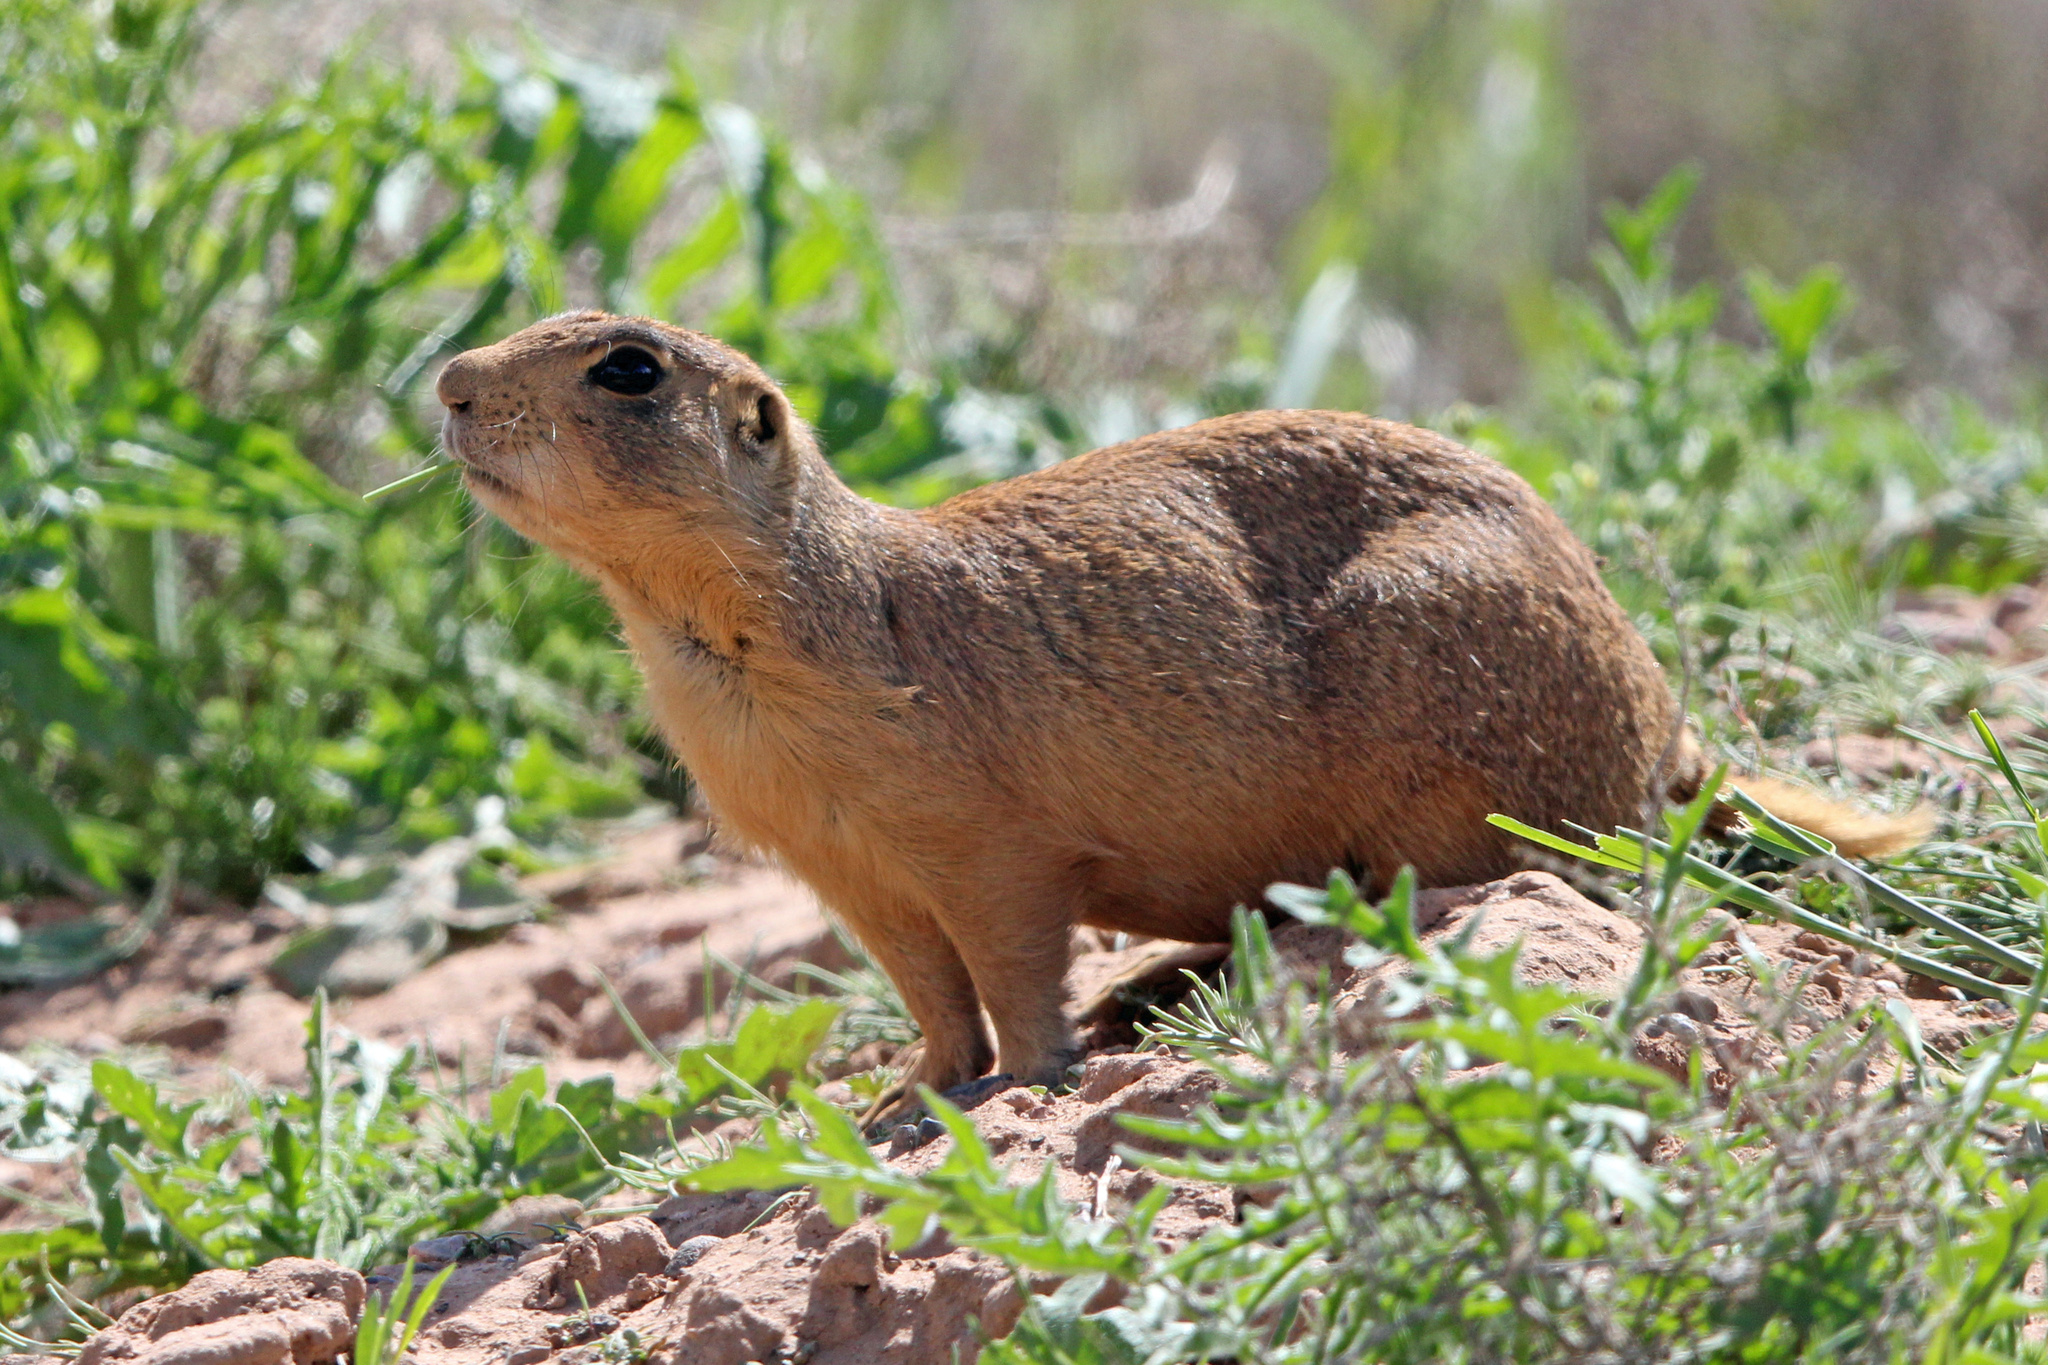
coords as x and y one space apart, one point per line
1911 907
417 476
1732 888
1997 752
1558 844
1624 852
640 1038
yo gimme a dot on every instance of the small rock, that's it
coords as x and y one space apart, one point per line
1106 1075
258 1339
1945 633
909 1137
1696 1005
566 986
644 1289
1874 759
289 1309
1821 943
600 1264
439 1250
1681 1027
192 1030
689 1253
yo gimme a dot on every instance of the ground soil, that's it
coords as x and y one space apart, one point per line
726 1279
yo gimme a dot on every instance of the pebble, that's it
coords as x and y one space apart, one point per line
1679 1026
438 1250
911 1136
689 1253
1697 1005
1682 1027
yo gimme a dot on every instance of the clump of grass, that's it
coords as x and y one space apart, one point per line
368 1157
385 1331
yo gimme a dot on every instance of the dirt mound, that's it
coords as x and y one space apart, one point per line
721 1279
290 1309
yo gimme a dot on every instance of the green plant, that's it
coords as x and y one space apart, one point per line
209 335
363 1160
389 1322
1968 915
1403 1202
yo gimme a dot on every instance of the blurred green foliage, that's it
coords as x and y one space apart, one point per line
209 334
213 335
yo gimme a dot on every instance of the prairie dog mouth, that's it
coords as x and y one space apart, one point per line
453 434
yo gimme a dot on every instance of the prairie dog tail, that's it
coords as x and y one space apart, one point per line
1855 833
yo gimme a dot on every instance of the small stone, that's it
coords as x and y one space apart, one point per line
1683 1028
439 1250
578 1328
689 1253
1696 1005
1108 1074
191 1030
929 1129
904 1139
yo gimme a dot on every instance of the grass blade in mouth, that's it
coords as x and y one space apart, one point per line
417 476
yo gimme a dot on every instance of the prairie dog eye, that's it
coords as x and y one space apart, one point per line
627 370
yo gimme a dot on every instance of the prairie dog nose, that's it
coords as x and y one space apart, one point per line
458 383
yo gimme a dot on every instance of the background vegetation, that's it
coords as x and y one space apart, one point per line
970 245
220 309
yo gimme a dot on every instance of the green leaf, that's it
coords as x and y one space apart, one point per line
781 1041
640 183
505 1103
1997 752
772 1041
33 833
716 237
1641 232
1796 318
1559 844
136 1100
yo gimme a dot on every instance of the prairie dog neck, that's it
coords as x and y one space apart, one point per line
773 610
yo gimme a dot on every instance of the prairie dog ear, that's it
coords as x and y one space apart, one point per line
759 418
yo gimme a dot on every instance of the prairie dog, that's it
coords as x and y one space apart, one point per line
1132 690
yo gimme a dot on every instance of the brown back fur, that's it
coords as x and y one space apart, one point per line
1133 690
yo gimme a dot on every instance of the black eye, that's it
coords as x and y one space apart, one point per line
628 369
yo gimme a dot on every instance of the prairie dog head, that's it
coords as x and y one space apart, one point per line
605 438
